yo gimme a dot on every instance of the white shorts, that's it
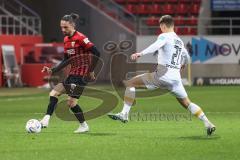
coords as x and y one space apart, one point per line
153 81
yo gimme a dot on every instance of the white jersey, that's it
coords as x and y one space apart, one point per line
171 54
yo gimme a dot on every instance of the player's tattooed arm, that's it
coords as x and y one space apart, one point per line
61 65
96 55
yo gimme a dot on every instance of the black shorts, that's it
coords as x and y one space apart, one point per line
74 85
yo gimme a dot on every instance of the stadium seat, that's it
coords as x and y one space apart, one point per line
168 9
195 9
152 21
179 20
158 31
131 8
181 30
142 9
192 20
156 9
192 31
176 29
182 9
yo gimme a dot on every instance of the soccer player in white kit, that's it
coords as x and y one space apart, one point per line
172 56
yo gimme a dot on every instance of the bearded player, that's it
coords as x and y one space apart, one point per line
82 55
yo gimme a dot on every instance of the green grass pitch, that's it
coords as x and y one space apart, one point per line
139 139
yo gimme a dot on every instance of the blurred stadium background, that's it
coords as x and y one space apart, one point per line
30 37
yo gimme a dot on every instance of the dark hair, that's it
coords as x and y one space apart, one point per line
71 18
167 20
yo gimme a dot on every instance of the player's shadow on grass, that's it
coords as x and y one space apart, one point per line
213 137
100 134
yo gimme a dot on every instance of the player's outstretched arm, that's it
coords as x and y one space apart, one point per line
155 46
136 56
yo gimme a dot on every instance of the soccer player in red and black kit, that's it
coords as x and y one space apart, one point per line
79 52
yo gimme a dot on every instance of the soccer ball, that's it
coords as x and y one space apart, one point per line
33 126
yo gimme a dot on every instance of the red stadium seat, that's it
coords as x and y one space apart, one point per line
152 21
142 9
192 31
168 9
195 8
179 20
158 31
131 8
182 9
184 31
177 30
156 9
192 20
181 31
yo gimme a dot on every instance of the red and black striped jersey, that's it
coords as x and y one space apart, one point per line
76 48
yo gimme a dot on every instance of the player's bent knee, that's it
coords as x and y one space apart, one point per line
185 102
71 102
128 83
125 82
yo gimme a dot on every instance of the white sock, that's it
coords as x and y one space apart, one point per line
129 98
126 108
197 111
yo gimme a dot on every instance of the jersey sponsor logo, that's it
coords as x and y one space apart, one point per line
71 51
86 41
171 66
73 43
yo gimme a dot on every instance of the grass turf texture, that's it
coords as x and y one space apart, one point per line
161 139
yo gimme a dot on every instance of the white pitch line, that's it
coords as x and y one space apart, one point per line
23 98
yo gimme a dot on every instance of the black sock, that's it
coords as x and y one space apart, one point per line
51 106
78 113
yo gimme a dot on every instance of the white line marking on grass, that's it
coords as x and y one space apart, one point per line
23 98
9 113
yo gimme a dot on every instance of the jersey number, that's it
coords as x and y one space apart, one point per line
176 56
